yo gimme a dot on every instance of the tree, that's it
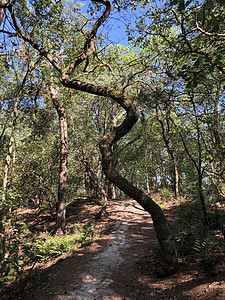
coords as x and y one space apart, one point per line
188 37
167 136
69 79
198 160
12 137
61 202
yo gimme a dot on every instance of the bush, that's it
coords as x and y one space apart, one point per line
199 243
167 194
25 250
46 247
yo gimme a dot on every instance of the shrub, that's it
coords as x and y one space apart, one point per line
25 250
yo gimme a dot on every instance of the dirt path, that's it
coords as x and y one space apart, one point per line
89 273
96 276
119 266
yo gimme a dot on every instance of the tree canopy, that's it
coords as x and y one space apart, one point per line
83 116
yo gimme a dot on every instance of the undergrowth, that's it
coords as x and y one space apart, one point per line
196 243
199 243
23 249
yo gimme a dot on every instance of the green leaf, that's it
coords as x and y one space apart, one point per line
195 83
197 63
189 84
216 28
221 2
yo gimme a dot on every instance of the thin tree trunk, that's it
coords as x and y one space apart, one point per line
170 150
12 137
202 198
94 180
147 181
198 167
176 179
2 11
9 154
86 180
5 233
4 226
61 202
200 170
111 191
111 187
93 185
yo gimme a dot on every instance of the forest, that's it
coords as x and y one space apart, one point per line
105 101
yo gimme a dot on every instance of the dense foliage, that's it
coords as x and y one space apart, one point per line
173 69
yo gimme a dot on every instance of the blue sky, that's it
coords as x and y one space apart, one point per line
114 27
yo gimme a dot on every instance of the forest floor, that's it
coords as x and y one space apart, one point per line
120 264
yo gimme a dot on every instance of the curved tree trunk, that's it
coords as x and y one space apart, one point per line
169 263
169 259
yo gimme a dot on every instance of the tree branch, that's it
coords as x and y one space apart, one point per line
205 32
28 39
89 45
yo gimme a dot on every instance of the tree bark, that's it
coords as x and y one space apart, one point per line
111 187
170 150
169 259
202 198
176 179
2 10
61 202
94 180
9 154
4 232
111 191
200 169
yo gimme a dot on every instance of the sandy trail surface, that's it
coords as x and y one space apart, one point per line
88 275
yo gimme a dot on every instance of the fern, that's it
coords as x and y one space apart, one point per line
201 248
